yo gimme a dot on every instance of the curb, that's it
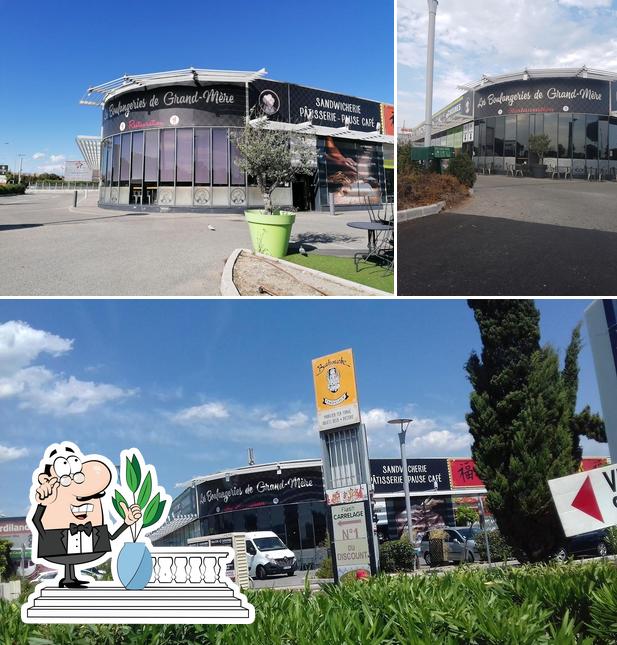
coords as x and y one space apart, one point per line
420 211
228 288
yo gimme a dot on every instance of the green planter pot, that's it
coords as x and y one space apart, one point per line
270 233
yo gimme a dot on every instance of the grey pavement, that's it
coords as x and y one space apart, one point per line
47 248
563 202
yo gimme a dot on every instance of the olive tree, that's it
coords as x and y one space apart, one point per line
272 157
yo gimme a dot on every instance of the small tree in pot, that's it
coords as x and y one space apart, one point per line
539 145
272 158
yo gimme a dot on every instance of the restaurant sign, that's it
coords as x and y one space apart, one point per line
458 110
387 475
579 95
351 538
253 490
209 104
336 396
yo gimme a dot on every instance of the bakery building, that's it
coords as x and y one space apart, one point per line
166 141
494 118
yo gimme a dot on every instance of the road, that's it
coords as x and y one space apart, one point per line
515 238
47 248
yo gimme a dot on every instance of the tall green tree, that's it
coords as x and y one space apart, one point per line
523 421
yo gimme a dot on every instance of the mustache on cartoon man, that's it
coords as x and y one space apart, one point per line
69 516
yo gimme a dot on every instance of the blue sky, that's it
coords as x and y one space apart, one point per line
55 51
477 37
193 384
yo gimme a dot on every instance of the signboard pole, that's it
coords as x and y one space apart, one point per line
346 472
483 519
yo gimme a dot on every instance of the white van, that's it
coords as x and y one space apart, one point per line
267 555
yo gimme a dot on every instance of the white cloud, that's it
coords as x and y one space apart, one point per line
20 344
38 155
296 420
205 412
472 39
56 158
8 453
37 387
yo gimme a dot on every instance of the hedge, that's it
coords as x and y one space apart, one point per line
12 189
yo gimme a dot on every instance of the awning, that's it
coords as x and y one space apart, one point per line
171 525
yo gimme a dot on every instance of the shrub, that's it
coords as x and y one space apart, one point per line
12 189
397 555
500 549
418 187
466 515
462 168
611 539
325 568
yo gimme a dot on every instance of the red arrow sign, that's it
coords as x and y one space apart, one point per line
585 501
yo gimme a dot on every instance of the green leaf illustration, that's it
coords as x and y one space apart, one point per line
157 515
131 476
144 493
151 509
137 469
116 502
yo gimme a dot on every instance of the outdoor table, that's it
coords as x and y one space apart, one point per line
373 229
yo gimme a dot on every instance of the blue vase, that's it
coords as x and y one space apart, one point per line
134 565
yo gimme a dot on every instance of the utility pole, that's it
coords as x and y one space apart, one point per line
21 159
430 59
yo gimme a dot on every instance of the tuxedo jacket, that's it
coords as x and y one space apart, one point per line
53 542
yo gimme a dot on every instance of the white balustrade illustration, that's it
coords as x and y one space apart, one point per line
188 585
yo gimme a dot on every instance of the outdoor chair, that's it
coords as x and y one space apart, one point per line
518 170
553 170
375 211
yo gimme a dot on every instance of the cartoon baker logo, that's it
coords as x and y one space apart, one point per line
67 510
334 385
72 496
269 102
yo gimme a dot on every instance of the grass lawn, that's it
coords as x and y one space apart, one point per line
369 274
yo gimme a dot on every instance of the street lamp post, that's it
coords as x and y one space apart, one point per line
404 423
430 59
21 159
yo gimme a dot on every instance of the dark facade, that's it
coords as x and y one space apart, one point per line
575 113
171 147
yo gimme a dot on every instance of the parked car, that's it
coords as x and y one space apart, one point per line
461 545
590 544
268 555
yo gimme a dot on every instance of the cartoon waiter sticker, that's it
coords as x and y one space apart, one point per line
68 511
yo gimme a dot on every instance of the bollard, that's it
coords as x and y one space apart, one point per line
75 199
331 197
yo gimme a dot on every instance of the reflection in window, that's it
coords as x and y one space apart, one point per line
550 129
564 146
125 159
151 156
578 136
500 133
167 159
219 157
603 137
202 156
522 136
237 176
116 160
138 157
490 136
184 157
592 137
291 526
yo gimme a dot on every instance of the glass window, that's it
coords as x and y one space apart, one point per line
578 136
482 137
319 522
603 137
202 156
592 136
307 537
106 162
500 133
564 147
151 156
167 161
219 157
291 526
138 157
184 156
116 160
613 138
237 176
490 136
522 135
510 127
125 158
550 129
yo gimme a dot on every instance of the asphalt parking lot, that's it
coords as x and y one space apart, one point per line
515 237
47 248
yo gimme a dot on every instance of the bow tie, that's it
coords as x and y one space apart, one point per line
76 528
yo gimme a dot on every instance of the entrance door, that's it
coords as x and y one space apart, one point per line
303 193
